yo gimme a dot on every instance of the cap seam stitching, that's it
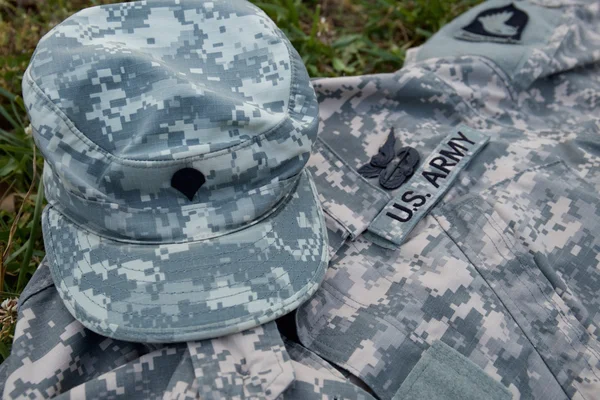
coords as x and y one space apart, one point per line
280 203
166 163
116 288
227 150
197 206
129 161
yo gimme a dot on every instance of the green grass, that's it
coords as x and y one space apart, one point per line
334 37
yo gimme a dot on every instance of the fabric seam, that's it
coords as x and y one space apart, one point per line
456 209
134 163
522 331
280 204
527 319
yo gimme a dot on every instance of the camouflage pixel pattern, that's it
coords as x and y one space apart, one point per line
316 378
506 268
118 106
72 362
183 291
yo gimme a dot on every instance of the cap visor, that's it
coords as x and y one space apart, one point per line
193 290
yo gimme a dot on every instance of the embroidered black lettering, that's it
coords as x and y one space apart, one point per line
463 138
407 211
441 163
408 197
430 182
432 177
455 155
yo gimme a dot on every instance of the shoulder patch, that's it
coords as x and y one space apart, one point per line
499 24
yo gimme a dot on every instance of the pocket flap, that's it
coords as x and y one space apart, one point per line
344 195
444 373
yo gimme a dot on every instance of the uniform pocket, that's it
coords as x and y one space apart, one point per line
442 373
532 238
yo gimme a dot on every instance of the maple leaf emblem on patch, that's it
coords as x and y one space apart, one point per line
496 23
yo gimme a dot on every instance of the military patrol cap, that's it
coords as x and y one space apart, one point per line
175 135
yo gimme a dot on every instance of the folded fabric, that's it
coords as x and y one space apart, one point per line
55 356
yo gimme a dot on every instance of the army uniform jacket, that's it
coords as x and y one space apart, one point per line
477 277
504 268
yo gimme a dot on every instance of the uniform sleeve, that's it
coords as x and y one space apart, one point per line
528 40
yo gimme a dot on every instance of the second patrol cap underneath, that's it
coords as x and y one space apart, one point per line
175 136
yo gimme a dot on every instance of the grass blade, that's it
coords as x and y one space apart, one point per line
35 223
5 93
8 117
4 350
16 253
16 114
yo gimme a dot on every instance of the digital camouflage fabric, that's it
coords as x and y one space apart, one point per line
499 277
505 268
55 356
175 135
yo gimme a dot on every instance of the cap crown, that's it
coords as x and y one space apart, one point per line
122 97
